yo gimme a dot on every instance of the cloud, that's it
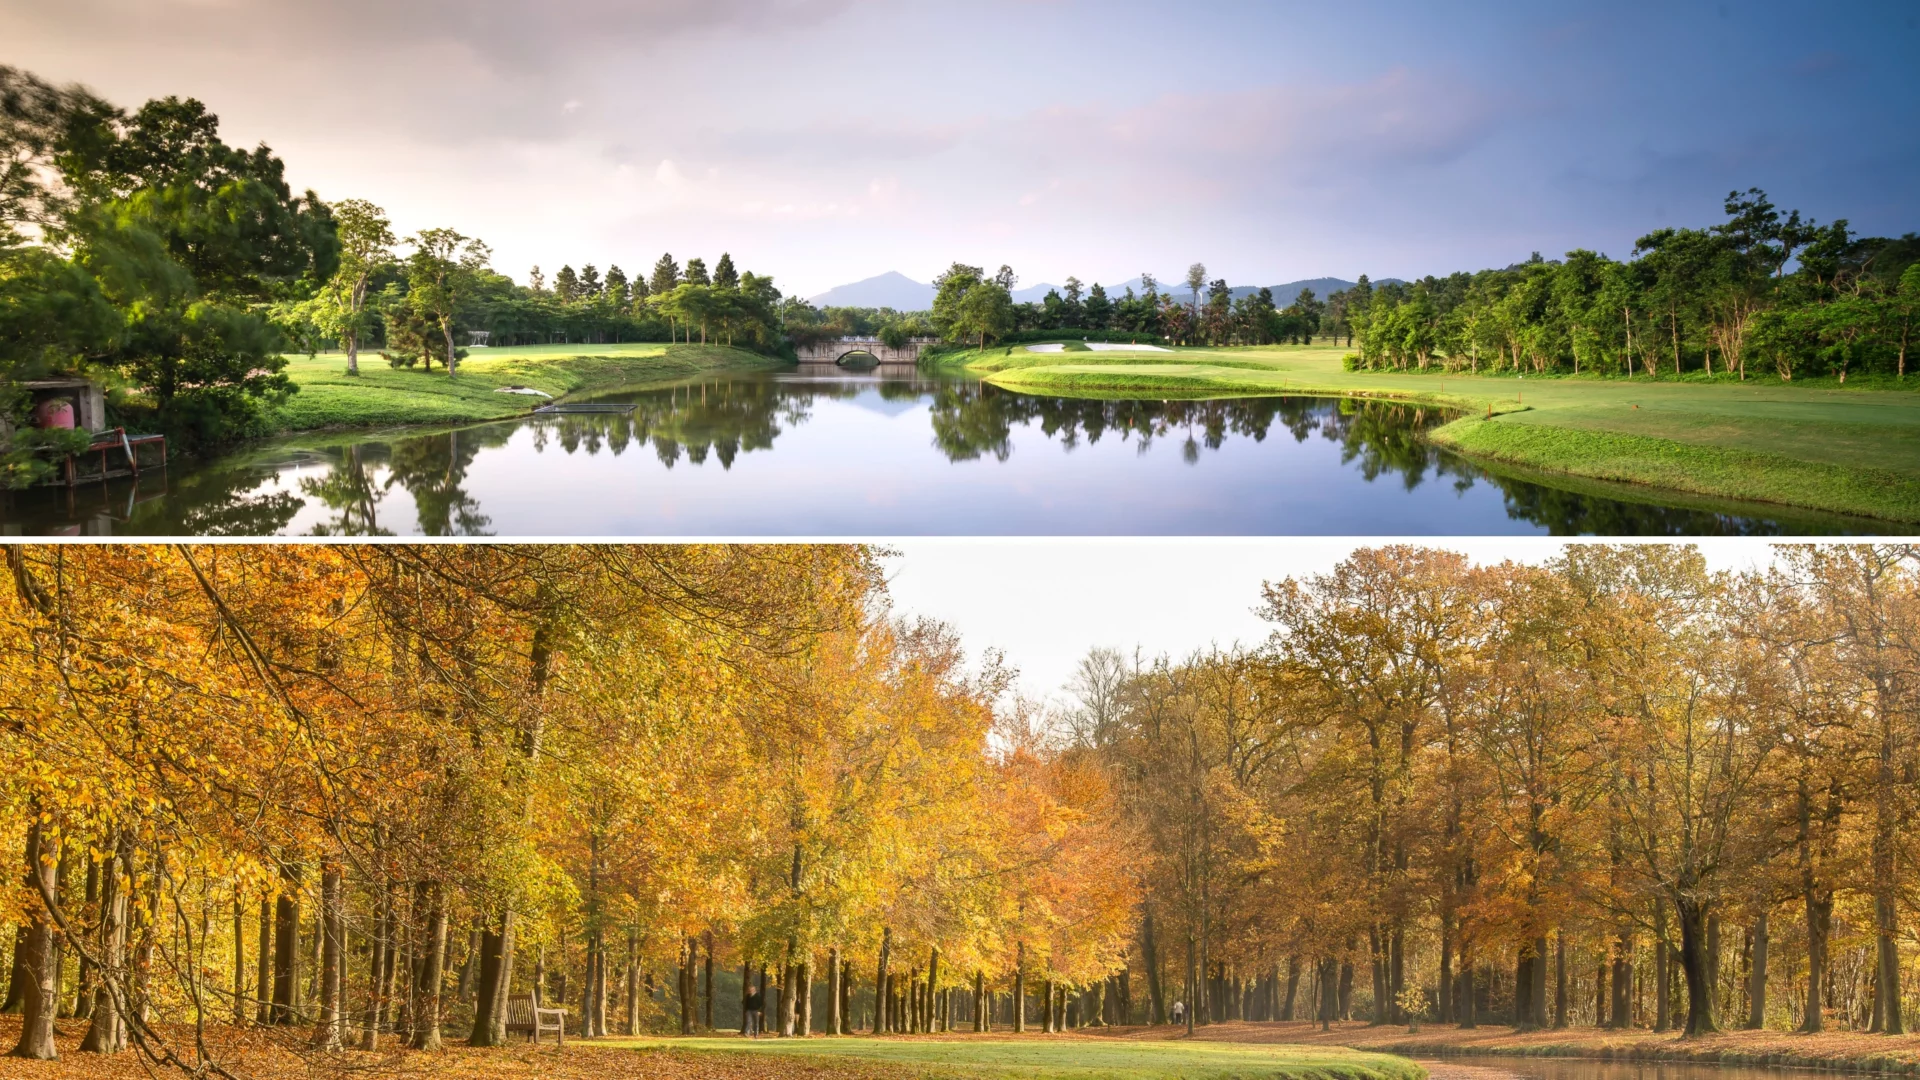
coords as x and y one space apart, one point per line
505 34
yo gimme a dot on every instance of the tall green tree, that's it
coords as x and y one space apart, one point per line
968 305
366 245
666 274
1196 280
441 273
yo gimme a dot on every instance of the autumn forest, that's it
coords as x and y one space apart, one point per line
371 796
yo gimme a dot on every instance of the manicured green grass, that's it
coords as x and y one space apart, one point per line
384 396
1846 449
1047 1058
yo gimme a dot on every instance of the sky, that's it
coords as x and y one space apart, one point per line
824 141
1045 602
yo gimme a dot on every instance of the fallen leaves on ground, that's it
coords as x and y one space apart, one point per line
256 1055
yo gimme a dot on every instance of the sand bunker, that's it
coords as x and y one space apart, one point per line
1099 346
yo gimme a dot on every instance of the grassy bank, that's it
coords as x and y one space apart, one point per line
1843 449
384 396
1060 1057
1846 1051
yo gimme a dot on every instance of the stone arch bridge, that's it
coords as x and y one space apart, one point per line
838 350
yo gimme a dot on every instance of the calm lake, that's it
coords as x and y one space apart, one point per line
846 454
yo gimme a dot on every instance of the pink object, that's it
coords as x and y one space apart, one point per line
53 413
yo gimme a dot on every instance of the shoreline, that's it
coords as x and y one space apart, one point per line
331 402
1493 432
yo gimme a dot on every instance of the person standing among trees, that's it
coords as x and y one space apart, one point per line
756 1001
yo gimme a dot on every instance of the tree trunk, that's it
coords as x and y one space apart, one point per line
1150 945
496 980
709 992
933 984
17 979
1757 978
327 1034
1329 993
1560 980
1662 969
802 994
239 959
1622 981
107 1034
40 982
833 991
1523 988
84 978
1193 987
1887 972
1020 990
880 981
1293 987
846 997
1697 966
426 992
263 965
286 949
379 948
446 331
689 956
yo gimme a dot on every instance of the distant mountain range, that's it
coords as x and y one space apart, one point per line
902 293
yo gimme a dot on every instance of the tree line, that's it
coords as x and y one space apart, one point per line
1763 293
364 796
971 306
1615 789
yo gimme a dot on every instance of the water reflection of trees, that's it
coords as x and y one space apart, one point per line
724 418
721 419
1573 513
971 421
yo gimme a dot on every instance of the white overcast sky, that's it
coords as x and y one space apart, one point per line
1045 602
825 141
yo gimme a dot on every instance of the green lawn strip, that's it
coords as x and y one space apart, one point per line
1211 381
1036 1058
1718 471
387 396
1844 450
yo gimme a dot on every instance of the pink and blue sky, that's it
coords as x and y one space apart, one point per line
824 141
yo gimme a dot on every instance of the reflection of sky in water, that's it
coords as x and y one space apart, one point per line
803 455
865 466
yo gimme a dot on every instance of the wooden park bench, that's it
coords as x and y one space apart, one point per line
525 1017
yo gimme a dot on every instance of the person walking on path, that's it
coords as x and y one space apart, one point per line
1179 1013
756 1001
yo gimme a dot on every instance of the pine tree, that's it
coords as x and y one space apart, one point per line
666 274
697 272
566 285
724 275
617 293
